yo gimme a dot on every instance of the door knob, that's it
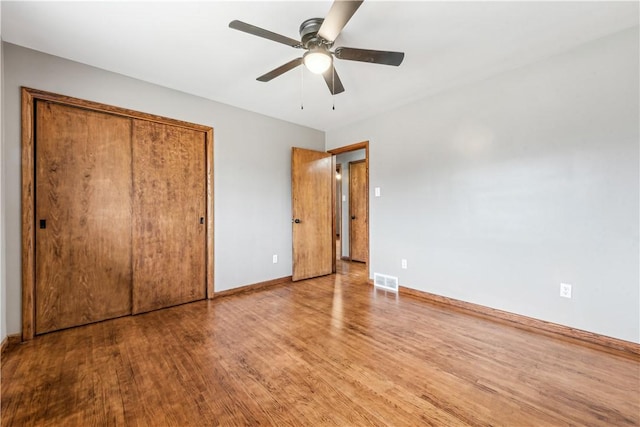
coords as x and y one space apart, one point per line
297 221
353 217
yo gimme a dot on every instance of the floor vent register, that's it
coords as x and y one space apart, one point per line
385 282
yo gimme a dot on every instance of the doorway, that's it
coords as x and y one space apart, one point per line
314 211
348 221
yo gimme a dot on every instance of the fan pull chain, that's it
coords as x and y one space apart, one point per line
302 88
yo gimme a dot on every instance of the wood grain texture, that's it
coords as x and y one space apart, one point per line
83 192
358 201
363 145
9 342
334 223
254 287
27 204
111 109
537 325
169 209
210 262
338 204
326 351
312 181
29 98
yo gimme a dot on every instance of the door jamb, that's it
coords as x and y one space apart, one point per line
338 211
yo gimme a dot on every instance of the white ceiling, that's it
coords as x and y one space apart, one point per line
188 46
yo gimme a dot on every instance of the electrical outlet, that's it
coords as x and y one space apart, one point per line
565 290
404 264
275 259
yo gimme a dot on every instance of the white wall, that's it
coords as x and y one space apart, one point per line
344 159
497 192
252 165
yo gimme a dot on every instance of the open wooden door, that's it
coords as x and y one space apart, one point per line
312 213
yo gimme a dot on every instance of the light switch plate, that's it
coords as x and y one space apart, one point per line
565 290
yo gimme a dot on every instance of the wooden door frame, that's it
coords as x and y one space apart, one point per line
338 210
29 98
354 147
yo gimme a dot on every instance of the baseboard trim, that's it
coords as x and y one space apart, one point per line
254 287
602 342
9 341
529 323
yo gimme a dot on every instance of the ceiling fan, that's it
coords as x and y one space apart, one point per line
317 36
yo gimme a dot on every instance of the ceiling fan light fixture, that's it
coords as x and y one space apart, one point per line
317 60
317 36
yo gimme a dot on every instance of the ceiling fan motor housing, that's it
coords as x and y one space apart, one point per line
309 33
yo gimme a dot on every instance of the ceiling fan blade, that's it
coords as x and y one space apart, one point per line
261 32
280 70
333 81
373 56
339 14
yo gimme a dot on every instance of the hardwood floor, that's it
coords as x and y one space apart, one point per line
327 351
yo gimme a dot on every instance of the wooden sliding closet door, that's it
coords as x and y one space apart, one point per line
82 215
169 215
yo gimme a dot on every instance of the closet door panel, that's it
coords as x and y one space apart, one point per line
169 211
83 216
